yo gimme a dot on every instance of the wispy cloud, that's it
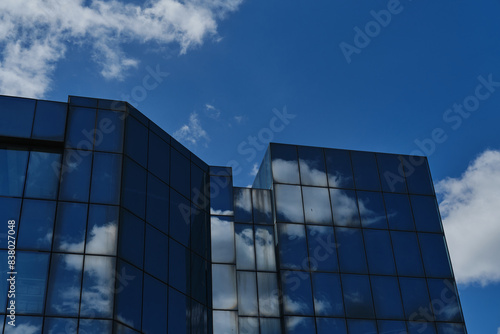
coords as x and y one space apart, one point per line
469 205
498 331
238 119
192 132
255 169
34 34
212 111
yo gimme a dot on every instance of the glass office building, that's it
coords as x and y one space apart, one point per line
118 228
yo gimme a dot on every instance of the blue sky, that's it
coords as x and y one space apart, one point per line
227 76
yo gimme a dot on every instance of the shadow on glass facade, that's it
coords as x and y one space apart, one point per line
120 229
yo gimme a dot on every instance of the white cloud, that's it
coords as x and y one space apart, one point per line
469 206
211 111
238 119
498 331
34 34
255 169
192 132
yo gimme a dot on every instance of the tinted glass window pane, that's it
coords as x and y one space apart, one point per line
122 329
371 209
88 326
178 266
247 293
338 164
248 325
199 272
50 120
379 252
391 173
312 166
102 230
156 259
83 101
180 218
450 329
344 207
264 248
270 326
9 210
418 176
80 130
221 199
263 179
157 212
284 164
222 240
245 252
327 294
262 209
178 307
267 284
33 323
243 205
331 325
299 325
70 227
131 247
224 287
322 248
225 322
37 223
200 225
399 212
60 325
31 282
159 157
425 211
357 296
351 250
179 173
75 176
415 298
43 178
136 141
292 246
391 327
445 300
289 204
134 188
407 254
434 254
199 318
297 294
114 105
154 306
386 297
98 287
109 133
63 296
12 172
361 326
129 300
423 327
16 116
106 175
365 170
199 187
317 205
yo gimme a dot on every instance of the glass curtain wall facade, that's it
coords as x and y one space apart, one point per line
360 244
120 229
105 203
